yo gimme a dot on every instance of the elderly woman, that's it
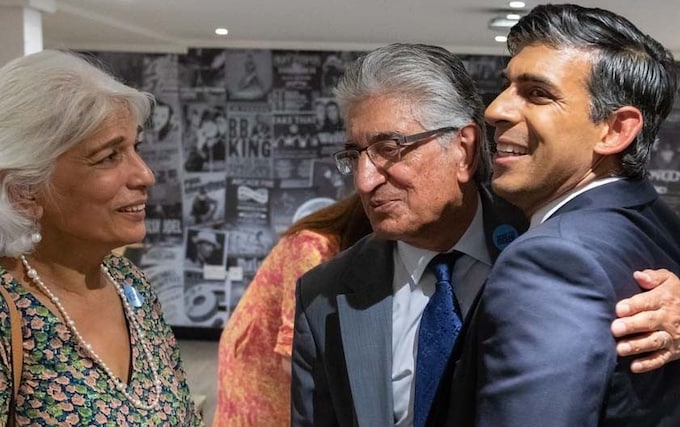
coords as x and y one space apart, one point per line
96 350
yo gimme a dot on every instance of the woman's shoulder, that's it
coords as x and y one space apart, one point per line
5 276
6 280
309 239
9 281
122 269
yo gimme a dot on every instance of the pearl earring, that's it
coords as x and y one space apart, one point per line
36 237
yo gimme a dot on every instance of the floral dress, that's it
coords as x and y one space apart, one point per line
61 385
253 390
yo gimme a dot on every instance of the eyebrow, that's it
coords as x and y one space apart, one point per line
112 143
530 78
380 136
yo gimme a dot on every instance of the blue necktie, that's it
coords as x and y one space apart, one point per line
439 328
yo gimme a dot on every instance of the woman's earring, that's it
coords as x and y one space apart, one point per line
36 237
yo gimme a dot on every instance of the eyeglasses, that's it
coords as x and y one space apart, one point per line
384 152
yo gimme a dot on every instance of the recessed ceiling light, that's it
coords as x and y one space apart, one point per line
221 31
501 39
501 23
513 16
516 4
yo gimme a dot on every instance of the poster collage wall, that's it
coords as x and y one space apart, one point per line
240 141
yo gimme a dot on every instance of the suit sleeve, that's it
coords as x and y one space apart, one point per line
546 353
303 360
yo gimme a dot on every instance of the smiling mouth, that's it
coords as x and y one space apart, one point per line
134 209
505 150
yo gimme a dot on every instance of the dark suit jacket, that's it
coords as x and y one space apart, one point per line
540 351
342 348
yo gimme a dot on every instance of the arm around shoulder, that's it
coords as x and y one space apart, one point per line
649 322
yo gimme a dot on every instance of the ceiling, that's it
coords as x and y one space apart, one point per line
175 25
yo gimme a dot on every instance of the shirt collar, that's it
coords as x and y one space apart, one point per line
472 243
549 209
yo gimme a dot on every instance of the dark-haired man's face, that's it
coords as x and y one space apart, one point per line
544 135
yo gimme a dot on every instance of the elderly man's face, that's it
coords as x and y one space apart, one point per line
416 199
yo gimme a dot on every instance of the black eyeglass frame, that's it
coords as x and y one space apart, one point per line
402 141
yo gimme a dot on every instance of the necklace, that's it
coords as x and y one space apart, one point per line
120 386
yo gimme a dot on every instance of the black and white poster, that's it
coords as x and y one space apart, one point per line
295 146
664 166
297 78
248 201
201 75
249 136
241 142
160 74
204 301
205 138
248 74
204 195
205 248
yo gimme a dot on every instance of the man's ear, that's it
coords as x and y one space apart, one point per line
620 130
469 159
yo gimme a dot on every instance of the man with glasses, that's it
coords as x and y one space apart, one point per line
414 111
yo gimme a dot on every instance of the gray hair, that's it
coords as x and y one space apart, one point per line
440 90
50 101
628 67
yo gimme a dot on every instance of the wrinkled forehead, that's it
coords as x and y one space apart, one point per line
380 113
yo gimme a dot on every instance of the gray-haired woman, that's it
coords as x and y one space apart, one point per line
96 350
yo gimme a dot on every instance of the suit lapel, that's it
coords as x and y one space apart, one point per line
366 328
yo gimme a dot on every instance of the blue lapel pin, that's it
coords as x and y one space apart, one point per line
503 235
133 297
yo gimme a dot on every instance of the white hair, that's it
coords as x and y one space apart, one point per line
49 102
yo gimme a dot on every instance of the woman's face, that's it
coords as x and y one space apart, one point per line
320 110
332 112
209 128
160 117
194 117
98 190
221 123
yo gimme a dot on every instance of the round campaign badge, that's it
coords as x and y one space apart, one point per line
503 235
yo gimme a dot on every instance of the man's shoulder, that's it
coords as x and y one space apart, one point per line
336 275
348 261
586 228
596 229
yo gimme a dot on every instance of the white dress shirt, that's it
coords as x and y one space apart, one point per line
413 287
